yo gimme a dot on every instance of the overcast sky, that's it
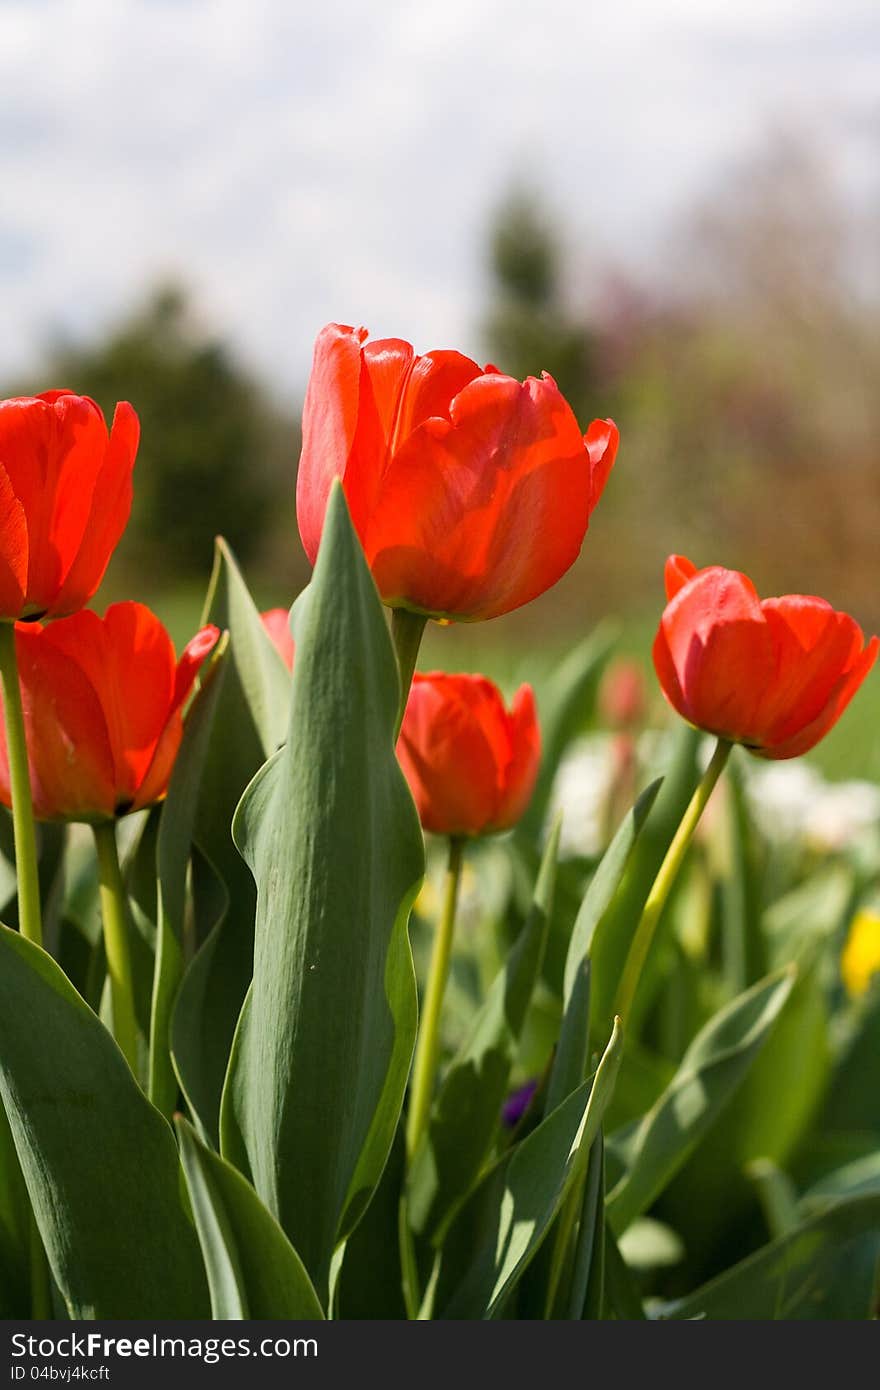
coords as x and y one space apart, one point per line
297 163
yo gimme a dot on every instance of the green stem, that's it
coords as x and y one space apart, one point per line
666 876
113 913
428 1045
406 634
29 919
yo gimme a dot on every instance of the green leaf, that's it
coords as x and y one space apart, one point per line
570 1063
172 861
499 1229
329 829
100 1164
712 1068
564 708
585 1295
826 1269
249 725
612 942
253 1270
466 1114
14 1222
371 1282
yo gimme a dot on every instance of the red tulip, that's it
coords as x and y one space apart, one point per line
277 624
103 706
471 764
471 492
773 674
65 496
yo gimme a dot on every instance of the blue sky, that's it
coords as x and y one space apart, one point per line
297 163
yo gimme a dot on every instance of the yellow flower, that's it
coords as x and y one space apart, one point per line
860 959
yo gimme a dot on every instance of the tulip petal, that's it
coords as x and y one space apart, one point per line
678 572
276 621
715 641
601 439
110 510
815 646
52 447
71 761
846 687
13 550
155 781
525 760
484 512
330 419
447 758
129 659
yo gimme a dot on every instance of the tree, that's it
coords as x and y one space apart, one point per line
212 444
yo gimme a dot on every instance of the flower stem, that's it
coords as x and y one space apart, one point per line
428 1045
666 877
29 919
406 634
113 913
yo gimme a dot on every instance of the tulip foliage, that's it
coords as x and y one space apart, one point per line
269 1050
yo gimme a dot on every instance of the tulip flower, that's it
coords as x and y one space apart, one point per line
277 625
773 674
470 491
103 706
471 764
65 497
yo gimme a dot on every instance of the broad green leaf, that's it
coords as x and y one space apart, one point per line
713 1067
584 1295
249 724
570 1063
826 1270
612 942
100 1164
14 1221
371 1282
851 1179
769 1116
565 705
253 1270
499 1229
330 832
172 861
467 1111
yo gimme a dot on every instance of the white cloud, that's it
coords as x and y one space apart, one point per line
302 163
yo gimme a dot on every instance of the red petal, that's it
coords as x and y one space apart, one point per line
13 550
71 763
155 781
846 687
449 763
522 772
129 659
110 510
601 439
815 646
276 621
677 573
714 654
52 448
482 514
330 418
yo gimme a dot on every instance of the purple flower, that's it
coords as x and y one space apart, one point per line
517 1104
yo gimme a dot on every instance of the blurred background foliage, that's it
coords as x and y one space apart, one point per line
742 373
